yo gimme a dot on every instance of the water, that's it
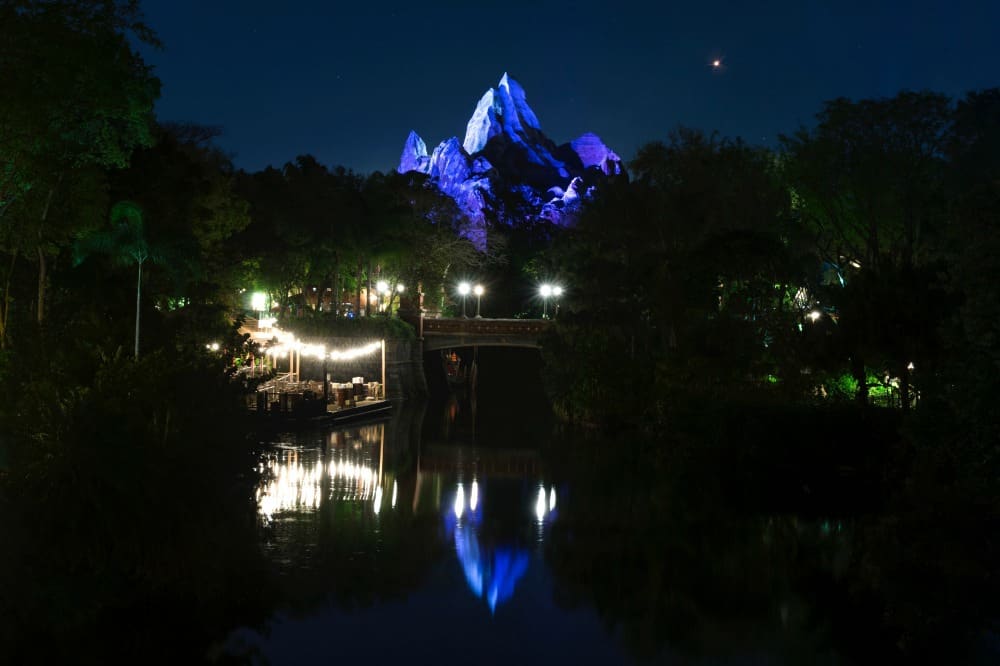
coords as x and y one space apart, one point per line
445 549
471 529
441 537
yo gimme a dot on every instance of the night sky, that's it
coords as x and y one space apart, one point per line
347 82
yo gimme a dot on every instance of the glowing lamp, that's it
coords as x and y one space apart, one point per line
258 301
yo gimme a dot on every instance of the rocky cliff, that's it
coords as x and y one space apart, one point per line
506 170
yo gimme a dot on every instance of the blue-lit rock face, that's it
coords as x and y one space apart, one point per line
507 171
593 153
414 157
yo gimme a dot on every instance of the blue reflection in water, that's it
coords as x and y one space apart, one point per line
492 573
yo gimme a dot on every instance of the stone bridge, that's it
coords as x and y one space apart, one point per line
472 332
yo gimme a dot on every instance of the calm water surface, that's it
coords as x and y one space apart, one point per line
471 530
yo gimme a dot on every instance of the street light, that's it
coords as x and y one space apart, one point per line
557 291
546 291
464 289
383 288
258 302
478 290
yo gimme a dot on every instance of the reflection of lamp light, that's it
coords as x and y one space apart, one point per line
459 501
540 503
552 499
474 496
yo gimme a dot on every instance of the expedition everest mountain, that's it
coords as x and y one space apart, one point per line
507 170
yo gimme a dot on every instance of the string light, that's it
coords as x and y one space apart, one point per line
287 343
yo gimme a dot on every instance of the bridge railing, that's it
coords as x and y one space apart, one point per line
452 326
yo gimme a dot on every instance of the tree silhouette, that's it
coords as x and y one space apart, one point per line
125 242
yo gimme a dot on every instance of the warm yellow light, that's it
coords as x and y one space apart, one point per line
478 290
258 301
287 343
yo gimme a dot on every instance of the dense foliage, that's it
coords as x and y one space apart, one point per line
826 271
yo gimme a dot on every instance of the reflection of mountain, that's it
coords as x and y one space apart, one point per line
492 551
493 572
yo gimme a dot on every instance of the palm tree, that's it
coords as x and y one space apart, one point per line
126 243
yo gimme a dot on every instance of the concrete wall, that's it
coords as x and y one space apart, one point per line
404 369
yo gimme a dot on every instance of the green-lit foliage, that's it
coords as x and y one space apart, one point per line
328 325
689 266
76 97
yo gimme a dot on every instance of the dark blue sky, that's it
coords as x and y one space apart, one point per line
347 81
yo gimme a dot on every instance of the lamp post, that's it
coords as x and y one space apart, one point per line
383 290
399 290
546 291
556 293
258 303
478 291
464 289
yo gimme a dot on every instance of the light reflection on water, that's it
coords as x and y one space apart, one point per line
348 467
492 567
299 479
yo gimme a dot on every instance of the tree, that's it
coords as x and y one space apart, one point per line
76 95
868 182
126 243
185 188
686 268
